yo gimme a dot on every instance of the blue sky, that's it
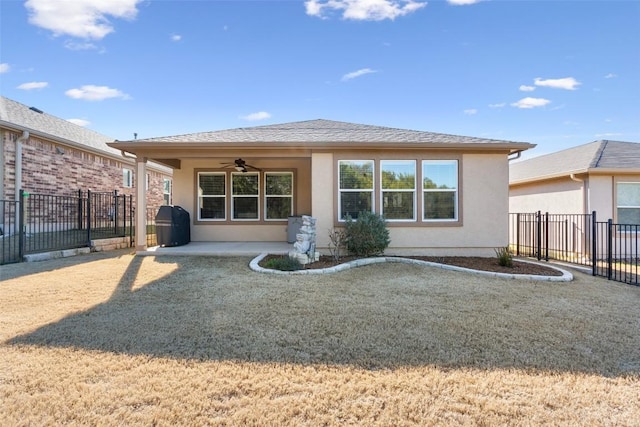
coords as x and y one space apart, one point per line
554 73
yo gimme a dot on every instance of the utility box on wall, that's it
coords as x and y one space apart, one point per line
293 228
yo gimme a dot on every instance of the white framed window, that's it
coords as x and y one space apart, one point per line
355 188
166 191
628 202
398 189
127 178
440 190
212 196
278 195
245 196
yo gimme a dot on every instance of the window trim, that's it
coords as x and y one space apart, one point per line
198 196
456 196
127 178
342 220
166 195
617 203
267 196
233 197
377 156
400 190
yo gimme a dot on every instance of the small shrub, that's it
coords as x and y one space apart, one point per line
285 263
505 258
366 236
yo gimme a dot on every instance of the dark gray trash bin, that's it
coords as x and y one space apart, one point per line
173 226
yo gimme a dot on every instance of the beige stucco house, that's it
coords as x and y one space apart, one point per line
602 176
441 194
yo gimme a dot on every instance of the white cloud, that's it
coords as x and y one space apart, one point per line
462 2
87 19
364 10
72 45
261 115
525 88
471 111
176 37
4 68
568 83
610 76
95 93
79 122
531 103
355 74
500 105
33 85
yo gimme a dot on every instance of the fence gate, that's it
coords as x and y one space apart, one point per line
610 250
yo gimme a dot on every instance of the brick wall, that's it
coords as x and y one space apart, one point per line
52 168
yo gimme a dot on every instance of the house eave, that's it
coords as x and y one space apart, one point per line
73 144
143 148
580 173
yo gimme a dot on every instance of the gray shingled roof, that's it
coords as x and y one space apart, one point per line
17 114
320 131
602 154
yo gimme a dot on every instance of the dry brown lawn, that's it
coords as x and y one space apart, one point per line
114 339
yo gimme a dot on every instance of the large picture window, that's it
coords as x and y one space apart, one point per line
355 187
245 196
628 202
278 195
440 190
212 200
398 184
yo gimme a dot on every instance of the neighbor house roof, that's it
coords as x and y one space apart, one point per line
20 117
599 156
321 131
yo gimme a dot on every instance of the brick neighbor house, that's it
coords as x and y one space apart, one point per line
58 157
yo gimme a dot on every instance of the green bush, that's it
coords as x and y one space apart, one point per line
366 236
505 258
285 263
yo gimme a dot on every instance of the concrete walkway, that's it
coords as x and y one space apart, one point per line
222 249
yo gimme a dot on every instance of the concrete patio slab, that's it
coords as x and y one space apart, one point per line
221 249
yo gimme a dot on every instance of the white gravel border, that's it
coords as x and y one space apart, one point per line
566 275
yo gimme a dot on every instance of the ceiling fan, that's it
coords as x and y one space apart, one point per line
240 165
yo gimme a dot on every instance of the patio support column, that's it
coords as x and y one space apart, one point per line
141 204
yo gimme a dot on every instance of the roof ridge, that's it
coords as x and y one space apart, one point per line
598 156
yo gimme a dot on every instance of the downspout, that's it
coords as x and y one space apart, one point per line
18 162
585 192
517 153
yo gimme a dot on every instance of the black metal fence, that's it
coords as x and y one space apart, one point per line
152 239
44 222
609 250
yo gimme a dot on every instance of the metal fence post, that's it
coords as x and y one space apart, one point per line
594 244
546 236
539 235
115 211
518 234
21 225
89 218
609 247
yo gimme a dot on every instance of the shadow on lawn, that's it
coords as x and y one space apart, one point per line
217 309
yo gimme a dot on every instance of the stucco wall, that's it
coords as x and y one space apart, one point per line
184 195
483 209
559 196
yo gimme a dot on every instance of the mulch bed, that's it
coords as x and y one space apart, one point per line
476 263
